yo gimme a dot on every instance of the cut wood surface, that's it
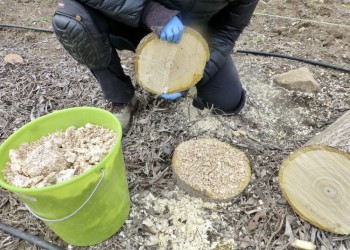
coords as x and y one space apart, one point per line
163 67
315 179
210 169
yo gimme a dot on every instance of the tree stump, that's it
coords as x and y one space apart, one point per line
210 169
163 67
316 178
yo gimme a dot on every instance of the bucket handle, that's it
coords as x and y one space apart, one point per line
76 211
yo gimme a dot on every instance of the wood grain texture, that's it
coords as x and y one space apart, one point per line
163 67
315 181
316 178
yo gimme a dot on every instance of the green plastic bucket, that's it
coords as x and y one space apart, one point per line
89 208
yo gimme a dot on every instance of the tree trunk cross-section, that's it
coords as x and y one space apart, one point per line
163 67
210 169
316 178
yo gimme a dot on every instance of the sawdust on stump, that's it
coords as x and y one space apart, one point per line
210 169
58 157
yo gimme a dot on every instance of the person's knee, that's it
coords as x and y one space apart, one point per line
229 101
75 30
224 92
227 105
234 104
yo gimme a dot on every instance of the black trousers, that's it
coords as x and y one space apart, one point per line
224 91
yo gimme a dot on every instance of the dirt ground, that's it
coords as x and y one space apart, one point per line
275 122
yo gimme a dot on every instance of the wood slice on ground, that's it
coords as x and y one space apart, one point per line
315 178
210 169
163 67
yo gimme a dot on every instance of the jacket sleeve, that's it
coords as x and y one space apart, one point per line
125 11
155 16
225 28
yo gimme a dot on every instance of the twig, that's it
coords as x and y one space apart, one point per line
265 144
276 232
158 176
226 123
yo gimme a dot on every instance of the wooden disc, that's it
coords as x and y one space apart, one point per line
210 169
163 67
316 182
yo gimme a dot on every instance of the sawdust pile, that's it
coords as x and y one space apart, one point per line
58 156
182 222
211 167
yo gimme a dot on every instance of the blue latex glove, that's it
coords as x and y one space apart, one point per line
172 31
173 96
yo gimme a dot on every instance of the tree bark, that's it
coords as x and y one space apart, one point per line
336 135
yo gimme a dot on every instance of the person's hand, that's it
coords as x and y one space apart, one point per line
173 96
172 31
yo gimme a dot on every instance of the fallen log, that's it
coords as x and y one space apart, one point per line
315 179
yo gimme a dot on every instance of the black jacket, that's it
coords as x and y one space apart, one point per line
223 20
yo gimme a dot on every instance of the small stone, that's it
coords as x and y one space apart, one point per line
300 79
13 59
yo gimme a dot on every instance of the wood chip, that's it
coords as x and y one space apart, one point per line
302 244
58 157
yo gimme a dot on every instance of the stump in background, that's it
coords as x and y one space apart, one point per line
316 178
163 67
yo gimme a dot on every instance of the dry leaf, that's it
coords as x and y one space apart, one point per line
288 230
254 223
245 243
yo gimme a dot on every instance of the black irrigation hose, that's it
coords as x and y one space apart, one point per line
260 53
28 237
295 59
24 27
